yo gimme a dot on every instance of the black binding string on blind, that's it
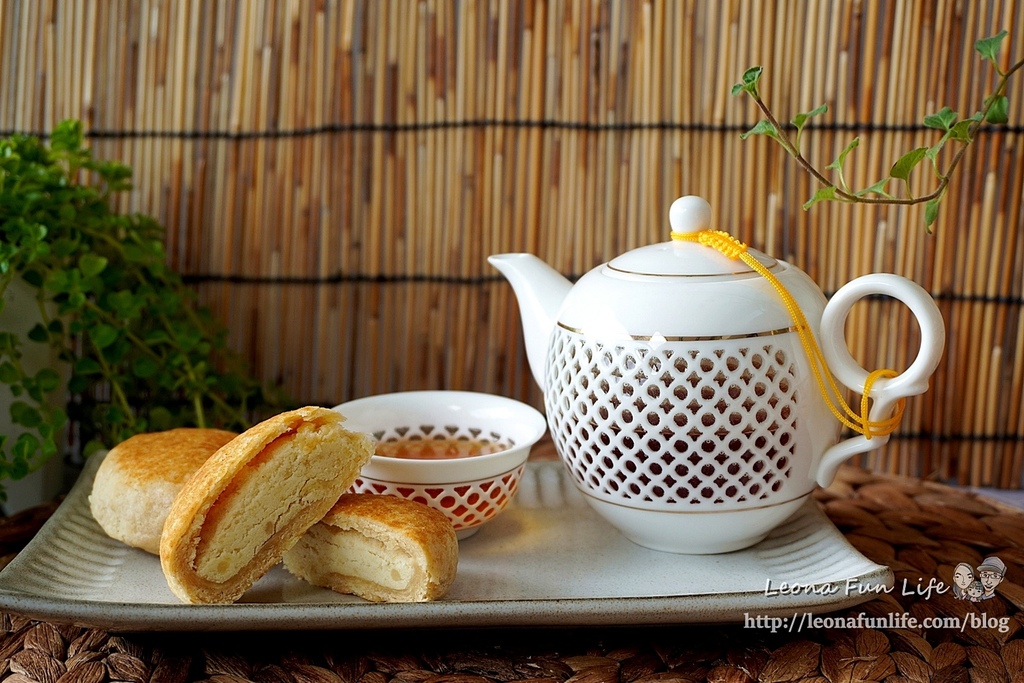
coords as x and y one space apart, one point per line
418 278
529 124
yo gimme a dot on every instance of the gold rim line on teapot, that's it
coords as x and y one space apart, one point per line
676 275
679 338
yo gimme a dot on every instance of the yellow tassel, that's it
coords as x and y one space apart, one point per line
737 250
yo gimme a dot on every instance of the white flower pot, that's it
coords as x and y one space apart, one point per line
19 315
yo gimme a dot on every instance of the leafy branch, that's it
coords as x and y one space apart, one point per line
141 355
963 132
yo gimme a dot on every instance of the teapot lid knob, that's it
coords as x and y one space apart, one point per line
688 253
689 214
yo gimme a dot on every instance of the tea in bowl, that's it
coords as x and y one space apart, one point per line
459 452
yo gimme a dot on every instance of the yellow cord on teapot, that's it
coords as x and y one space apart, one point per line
735 249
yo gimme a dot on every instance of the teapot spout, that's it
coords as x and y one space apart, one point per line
540 291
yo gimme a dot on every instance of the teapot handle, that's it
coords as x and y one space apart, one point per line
885 392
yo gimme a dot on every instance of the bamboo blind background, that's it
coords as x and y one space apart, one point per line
333 174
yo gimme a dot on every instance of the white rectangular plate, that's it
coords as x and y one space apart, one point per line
546 560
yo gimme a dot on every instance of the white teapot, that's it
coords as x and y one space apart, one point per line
684 389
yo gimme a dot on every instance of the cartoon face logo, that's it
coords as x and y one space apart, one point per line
990 572
963 576
978 583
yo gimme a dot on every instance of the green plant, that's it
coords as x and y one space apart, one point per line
953 128
141 354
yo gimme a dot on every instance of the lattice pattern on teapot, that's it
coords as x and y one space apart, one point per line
712 422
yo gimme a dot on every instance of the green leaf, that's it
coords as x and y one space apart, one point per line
801 119
76 300
931 212
878 188
837 164
999 110
58 418
822 195
157 337
91 264
762 128
67 213
87 366
145 367
103 335
25 447
989 47
8 373
59 281
48 379
33 277
961 132
114 172
187 339
117 352
127 304
114 415
906 163
133 253
38 333
64 247
748 82
942 119
25 415
67 136
49 447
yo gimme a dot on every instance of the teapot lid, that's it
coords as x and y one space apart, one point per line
683 257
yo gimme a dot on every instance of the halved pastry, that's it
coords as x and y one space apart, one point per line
253 499
380 548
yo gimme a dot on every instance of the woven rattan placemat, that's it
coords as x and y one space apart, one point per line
920 529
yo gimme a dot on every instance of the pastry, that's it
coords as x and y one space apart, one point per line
139 478
253 499
378 547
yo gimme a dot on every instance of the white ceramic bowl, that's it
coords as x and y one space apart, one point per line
470 490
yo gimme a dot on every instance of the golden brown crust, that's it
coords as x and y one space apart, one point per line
250 502
381 548
139 478
420 524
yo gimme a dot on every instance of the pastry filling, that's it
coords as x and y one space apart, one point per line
261 500
353 555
